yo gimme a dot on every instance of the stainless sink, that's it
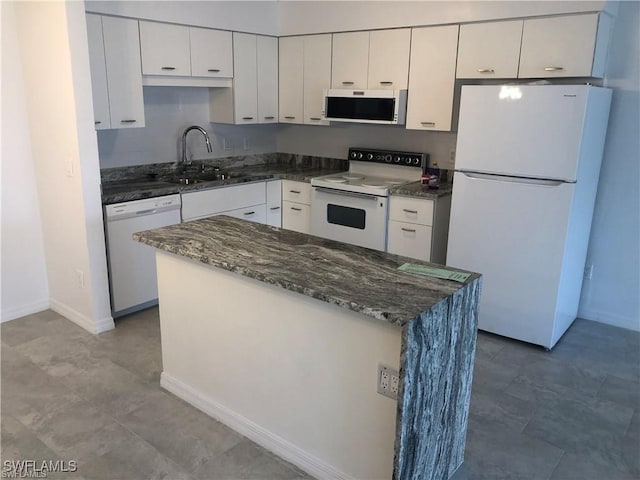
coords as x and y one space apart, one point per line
193 179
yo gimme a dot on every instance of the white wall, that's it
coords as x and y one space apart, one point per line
613 294
168 111
241 16
52 39
298 17
24 277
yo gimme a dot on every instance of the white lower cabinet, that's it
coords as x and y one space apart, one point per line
274 203
235 200
296 206
418 228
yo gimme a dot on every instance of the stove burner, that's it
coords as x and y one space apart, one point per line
352 176
395 182
336 180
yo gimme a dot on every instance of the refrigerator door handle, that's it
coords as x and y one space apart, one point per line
505 178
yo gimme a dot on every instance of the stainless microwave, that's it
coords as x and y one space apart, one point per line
387 107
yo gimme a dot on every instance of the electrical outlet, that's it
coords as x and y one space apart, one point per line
588 271
388 381
452 155
246 144
226 144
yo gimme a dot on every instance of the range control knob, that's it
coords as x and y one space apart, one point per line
353 154
369 156
359 155
387 158
397 159
416 161
407 161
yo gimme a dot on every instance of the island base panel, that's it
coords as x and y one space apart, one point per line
295 374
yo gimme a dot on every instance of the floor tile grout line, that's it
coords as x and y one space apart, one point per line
564 454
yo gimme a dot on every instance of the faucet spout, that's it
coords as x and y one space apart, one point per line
186 161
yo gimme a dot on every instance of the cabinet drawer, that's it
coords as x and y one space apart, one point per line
409 240
218 200
296 192
296 216
411 210
255 213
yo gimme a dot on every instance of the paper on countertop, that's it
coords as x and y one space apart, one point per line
434 272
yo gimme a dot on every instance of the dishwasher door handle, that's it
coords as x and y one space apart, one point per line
146 212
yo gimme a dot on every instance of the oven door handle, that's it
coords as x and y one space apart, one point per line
333 191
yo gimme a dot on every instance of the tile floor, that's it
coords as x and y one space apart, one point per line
573 413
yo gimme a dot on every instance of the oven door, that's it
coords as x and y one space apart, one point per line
349 217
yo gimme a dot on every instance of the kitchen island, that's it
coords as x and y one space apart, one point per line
279 335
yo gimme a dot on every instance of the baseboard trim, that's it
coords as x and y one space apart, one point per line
263 437
23 310
610 319
81 320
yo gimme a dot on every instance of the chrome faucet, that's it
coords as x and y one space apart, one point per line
186 162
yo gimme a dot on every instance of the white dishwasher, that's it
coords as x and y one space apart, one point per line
132 265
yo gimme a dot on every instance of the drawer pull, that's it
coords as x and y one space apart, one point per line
249 213
214 70
247 118
97 122
270 117
428 124
386 83
553 69
410 230
128 121
168 68
296 209
315 119
486 70
289 118
297 192
274 208
347 83
410 211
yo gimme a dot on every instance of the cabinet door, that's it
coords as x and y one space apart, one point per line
350 60
389 59
291 86
274 203
558 47
124 79
211 53
317 76
293 191
98 67
409 240
165 49
267 66
296 216
489 50
432 78
245 78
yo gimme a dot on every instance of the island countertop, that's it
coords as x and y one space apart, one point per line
356 278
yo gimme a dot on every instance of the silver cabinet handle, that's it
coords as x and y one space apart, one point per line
270 117
247 118
410 211
213 70
486 70
297 192
168 68
274 208
428 124
410 230
128 121
249 213
386 83
347 83
296 209
553 69
289 117
315 119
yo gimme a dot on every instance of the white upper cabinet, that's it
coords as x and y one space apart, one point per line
350 60
211 53
389 59
489 50
245 81
317 76
432 78
568 46
267 68
165 49
124 79
291 81
97 63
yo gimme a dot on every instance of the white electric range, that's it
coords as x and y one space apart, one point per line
352 206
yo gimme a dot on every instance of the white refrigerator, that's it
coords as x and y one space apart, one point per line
527 165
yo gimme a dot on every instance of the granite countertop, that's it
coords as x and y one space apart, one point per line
417 189
155 186
352 277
